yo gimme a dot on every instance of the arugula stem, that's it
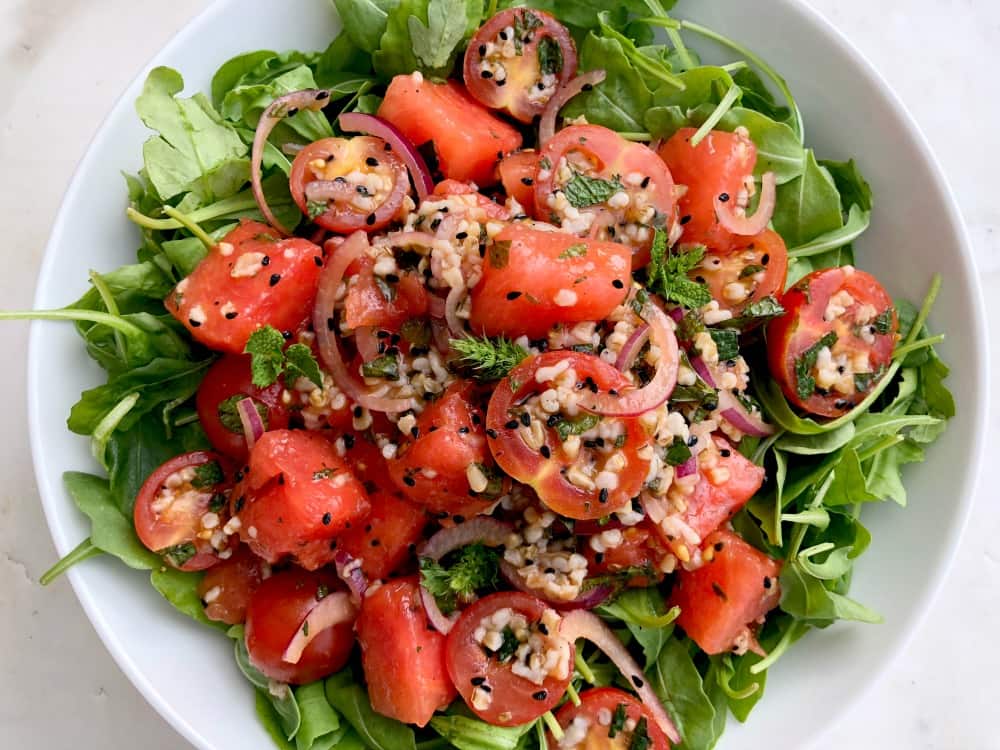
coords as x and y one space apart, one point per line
925 310
786 640
821 245
573 695
491 11
799 532
111 306
89 316
584 669
637 136
682 51
540 732
797 125
553 725
717 114
191 226
234 204
437 742
813 517
761 453
880 446
902 351
734 66
83 551
736 695
109 423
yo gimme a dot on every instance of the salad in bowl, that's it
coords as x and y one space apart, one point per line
498 377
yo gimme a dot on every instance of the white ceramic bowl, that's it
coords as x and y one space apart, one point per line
187 673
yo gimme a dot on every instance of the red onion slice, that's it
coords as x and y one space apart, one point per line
735 219
586 625
676 314
442 339
632 347
455 325
350 572
278 110
485 529
636 401
367 343
358 122
547 125
332 610
585 600
346 253
253 425
738 416
435 306
687 468
441 622
703 372
324 191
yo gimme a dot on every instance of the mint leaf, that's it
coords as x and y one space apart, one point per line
582 191
300 363
667 274
727 343
265 347
805 383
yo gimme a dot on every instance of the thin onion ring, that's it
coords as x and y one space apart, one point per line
739 417
332 610
585 600
359 122
547 125
253 425
735 219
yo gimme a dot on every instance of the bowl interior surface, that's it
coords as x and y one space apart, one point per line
187 672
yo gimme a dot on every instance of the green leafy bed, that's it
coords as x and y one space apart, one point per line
194 187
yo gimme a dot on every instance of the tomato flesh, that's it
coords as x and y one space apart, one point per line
180 510
843 305
369 179
722 163
468 139
533 280
509 698
525 439
226 588
249 280
298 492
596 715
276 613
517 60
432 467
639 554
402 655
383 540
227 382
755 269
734 589
376 302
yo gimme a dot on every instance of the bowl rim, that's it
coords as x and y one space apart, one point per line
934 580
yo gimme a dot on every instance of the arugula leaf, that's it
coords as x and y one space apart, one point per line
321 726
476 567
644 614
806 598
676 681
435 43
582 191
283 703
470 733
667 274
181 590
807 206
195 149
758 97
488 359
425 35
378 732
368 20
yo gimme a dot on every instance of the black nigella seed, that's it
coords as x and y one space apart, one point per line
767 582
598 557
512 424
463 430
266 260
370 220
685 219
725 453
415 431
275 278
348 441
645 182
459 519
765 259
540 695
292 111
719 546
528 181
327 518
482 49
503 35
486 74
588 87
618 284
545 451
513 295
331 324
376 542
543 628
286 335
392 278
240 501
525 419
492 434
409 481
502 83
553 420
231 315
321 95
371 161
461 235
603 496
723 197
318 260
358 412
637 681
477 681
693 440
194 323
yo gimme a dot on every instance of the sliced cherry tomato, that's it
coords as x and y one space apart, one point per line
402 655
467 138
227 382
297 491
835 340
517 60
181 508
722 163
478 206
495 682
249 280
446 466
610 719
639 555
581 466
226 588
592 181
729 594
384 302
755 270
276 612
366 179
517 174
533 280
726 481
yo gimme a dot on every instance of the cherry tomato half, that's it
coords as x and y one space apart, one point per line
592 181
581 465
365 179
517 173
746 275
610 719
275 614
835 340
481 658
227 382
181 508
226 588
517 60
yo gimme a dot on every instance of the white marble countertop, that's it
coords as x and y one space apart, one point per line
62 65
